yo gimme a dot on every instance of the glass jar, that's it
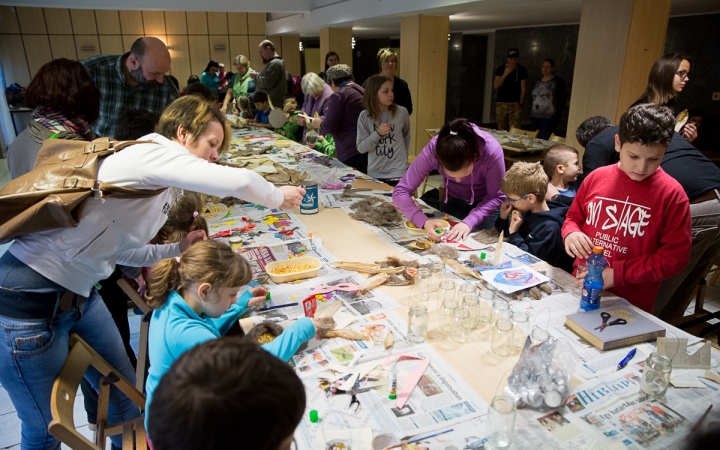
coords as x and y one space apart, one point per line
468 288
417 324
472 303
446 291
447 315
421 294
538 336
486 296
461 327
502 337
501 422
656 375
521 324
423 276
437 269
500 310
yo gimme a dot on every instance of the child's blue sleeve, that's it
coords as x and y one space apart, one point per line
285 345
233 314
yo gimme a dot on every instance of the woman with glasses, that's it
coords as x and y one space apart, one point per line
472 165
387 62
666 80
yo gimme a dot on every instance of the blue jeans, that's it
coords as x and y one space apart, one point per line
33 351
546 126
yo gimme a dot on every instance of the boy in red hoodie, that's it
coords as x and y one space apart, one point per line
634 210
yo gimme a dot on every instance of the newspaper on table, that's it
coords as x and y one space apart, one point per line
334 198
440 400
255 224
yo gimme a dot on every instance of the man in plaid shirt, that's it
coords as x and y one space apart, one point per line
133 80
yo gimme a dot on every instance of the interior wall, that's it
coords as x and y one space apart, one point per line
312 60
467 60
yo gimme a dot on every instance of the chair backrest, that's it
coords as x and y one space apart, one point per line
144 329
556 138
62 399
532 134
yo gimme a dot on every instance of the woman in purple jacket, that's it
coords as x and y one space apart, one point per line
317 94
472 165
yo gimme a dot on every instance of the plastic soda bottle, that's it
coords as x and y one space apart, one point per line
593 283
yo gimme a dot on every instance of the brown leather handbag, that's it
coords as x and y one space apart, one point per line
53 194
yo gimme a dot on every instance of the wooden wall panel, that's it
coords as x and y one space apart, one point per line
12 58
154 23
62 46
256 23
9 20
176 22
37 51
32 20
239 46
338 40
290 53
127 41
108 21
83 21
253 53
199 53
58 21
87 42
221 55
237 23
111 45
131 22
217 23
180 68
197 22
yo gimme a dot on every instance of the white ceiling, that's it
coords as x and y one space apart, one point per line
378 17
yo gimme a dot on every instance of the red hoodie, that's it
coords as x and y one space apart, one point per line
644 226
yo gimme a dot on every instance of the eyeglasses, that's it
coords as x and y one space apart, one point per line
512 202
683 74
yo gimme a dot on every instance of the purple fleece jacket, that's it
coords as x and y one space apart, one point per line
344 108
482 184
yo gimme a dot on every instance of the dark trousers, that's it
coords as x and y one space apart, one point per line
546 126
460 209
358 162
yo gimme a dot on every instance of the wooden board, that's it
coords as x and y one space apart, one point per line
180 66
32 20
175 22
154 23
62 46
111 45
237 23
37 50
58 21
83 21
217 23
108 22
199 53
87 42
12 58
10 24
197 22
131 22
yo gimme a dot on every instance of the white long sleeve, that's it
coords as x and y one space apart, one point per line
148 255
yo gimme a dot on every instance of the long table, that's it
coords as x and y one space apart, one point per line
350 240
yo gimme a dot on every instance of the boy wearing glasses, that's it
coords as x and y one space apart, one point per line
529 221
638 213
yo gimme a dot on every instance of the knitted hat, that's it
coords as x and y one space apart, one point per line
338 71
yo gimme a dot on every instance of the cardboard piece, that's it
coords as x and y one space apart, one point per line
409 381
677 350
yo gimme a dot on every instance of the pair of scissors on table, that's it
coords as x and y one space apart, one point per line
605 317
354 401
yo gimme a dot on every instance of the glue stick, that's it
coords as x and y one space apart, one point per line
393 383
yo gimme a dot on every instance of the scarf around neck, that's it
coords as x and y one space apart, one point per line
54 120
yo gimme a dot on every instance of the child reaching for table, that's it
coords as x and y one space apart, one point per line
383 131
195 299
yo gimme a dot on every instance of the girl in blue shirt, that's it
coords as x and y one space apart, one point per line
196 300
210 79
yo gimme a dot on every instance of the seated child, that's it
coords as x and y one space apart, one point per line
223 392
529 221
634 210
326 144
562 168
243 108
291 126
195 299
263 110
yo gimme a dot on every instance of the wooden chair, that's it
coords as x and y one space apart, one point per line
715 270
62 402
554 138
532 134
144 329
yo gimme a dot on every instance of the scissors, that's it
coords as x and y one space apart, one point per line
354 402
605 317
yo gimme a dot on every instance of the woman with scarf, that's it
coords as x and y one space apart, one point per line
472 165
241 85
66 103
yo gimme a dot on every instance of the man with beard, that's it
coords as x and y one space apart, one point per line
133 80
272 79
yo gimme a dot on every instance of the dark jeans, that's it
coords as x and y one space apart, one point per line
461 209
546 126
358 162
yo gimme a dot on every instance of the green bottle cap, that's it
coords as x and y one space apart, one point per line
483 255
267 296
438 230
313 416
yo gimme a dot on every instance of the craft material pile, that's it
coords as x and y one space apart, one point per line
376 212
292 269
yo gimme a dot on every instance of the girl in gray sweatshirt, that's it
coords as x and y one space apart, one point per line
383 131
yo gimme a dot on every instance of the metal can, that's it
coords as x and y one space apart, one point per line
235 242
309 203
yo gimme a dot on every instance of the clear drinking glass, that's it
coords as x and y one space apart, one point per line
461 327
656 375
501 422
417 324
472 303
437 269
500 310
447 315
521 325
502 338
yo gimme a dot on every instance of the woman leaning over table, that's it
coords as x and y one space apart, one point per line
45 276
472 165
317 94
241 85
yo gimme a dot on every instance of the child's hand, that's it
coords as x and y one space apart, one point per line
430 227
383 129
552 191
191 238
515 222
259 294
505 209
578 245
459 232
321 138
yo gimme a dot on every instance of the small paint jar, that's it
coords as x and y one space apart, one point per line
235 242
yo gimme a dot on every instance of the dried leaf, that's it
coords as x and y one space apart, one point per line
462 269
389 340
374 281
347 334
